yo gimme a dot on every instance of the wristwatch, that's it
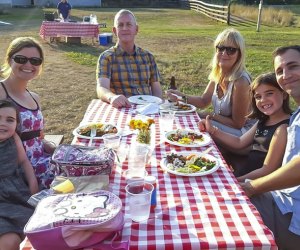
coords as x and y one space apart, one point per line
185 98
109 99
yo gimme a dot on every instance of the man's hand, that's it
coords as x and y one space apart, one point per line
248 188
119 101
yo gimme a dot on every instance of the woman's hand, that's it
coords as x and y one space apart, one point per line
49 146
173 95
203 114
201 125
206 125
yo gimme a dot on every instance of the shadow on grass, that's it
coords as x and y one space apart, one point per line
90 49
83 54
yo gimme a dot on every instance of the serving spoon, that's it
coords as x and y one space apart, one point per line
92 135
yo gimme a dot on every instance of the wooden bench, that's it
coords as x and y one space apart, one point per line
56 139
73 40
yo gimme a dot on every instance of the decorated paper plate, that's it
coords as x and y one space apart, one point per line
84 131
178 107
189 164
187 138
144 99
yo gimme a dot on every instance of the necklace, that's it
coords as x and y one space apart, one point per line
219 99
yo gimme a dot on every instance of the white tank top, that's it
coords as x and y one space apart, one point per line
223 105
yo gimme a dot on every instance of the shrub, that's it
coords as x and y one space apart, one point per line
270 16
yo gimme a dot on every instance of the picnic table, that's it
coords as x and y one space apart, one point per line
201 212
53 29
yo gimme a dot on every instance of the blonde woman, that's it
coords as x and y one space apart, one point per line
228 87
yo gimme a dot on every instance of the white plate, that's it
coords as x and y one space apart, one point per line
76 130
170 106
144 99
163 165
206 139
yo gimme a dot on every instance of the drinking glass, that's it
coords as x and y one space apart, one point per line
131 176
139 199
137 158
111 141
122 153
166 120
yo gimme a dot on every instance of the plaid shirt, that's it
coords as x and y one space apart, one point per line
129 74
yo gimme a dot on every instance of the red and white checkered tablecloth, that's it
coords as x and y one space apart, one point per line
208 212
69 29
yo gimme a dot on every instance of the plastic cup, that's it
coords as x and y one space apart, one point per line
166 119
111 141
137 159
139 200
122 153
131 176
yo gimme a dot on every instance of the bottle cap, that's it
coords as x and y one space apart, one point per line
150 179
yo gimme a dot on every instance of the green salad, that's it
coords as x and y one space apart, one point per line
189 164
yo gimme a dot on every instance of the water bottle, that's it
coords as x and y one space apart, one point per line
152 179
172 83
93 19
172 86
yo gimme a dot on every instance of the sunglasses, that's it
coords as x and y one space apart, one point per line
229 50
23 59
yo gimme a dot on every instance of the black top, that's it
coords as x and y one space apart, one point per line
260 147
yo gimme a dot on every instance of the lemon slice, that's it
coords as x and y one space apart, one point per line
64 187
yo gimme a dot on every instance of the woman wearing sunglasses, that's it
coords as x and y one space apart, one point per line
23 62
228 87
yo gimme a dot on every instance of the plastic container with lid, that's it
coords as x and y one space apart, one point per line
152 179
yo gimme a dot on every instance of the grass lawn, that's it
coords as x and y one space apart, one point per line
181 40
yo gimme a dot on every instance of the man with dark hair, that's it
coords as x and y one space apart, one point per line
64 10
277 195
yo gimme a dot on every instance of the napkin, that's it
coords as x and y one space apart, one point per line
151 108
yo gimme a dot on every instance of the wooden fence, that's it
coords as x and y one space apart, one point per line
220 13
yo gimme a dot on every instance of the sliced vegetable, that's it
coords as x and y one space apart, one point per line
189 164
185 137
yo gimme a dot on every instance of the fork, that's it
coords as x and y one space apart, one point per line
205 151
92 135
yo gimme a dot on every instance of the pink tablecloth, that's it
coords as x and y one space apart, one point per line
69 29
208 212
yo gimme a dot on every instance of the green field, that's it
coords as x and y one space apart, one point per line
181 40
182 43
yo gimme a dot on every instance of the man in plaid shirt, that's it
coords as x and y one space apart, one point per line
125 70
